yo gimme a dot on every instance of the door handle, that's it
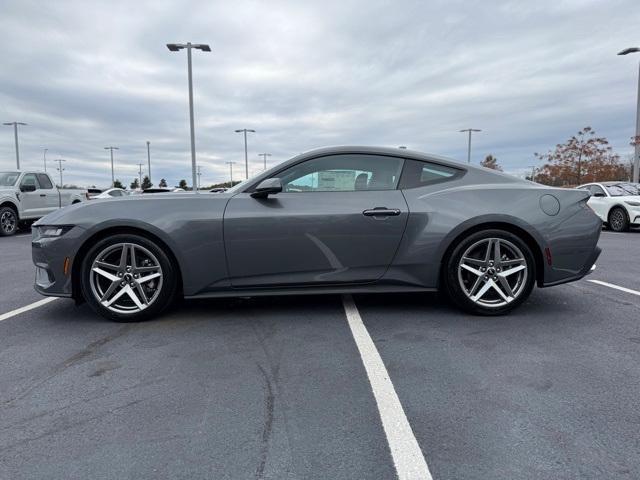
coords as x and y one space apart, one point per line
381 212
43 194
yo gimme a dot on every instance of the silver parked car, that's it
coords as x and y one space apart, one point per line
334 220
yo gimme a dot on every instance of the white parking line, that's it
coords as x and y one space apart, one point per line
26 308
617 287
405 451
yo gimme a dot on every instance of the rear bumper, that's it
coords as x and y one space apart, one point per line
589 267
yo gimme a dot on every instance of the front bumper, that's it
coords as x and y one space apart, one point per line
49 256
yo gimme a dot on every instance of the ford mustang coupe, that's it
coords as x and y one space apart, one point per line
333 220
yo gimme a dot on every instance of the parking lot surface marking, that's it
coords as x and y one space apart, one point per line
617 287
26 308
405 451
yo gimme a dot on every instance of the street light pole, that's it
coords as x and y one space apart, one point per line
44 156
264 156
469 145
174 47
636 153
199 173
149 160
15 135
231 164
246 158
111 149
140 174
60 169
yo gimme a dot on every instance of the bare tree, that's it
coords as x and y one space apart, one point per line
491 162
582 158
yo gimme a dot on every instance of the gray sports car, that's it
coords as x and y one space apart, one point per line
333 220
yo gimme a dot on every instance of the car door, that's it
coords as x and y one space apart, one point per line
339 219
33 205
599 201
48 194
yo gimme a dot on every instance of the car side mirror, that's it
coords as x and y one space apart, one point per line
598 194
28 188
267 187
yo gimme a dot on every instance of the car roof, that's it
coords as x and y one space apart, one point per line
397 152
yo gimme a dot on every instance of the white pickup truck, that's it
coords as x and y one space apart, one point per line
26 196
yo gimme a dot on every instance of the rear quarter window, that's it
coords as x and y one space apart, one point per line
418 174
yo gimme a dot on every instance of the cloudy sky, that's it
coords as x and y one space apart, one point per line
305 74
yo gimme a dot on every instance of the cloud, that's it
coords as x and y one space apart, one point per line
85 75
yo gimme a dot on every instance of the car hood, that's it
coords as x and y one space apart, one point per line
8 190
151 209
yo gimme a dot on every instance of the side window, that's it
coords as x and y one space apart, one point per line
114 193
343 173
596 189
44 181
29 180
419 174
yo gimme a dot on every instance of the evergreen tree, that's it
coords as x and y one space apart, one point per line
146 183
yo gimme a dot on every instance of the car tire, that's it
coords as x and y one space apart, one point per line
128 287
484 281
8 221
618 220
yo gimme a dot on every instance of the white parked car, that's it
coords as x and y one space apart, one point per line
27 196
112 193
616 203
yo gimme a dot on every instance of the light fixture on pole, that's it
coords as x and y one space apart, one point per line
231 164
264 157
636 153
112 177
246 158
469 146
44 158
175 47
149 160
15 135
60 169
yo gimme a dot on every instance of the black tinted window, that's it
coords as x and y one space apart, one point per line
44 181
343 173
418 174
28 180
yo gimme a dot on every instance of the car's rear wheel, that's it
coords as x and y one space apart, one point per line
128 278
490 272
618 220
8 221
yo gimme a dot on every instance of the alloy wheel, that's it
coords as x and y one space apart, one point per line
492 272
8 222
617 219
126 278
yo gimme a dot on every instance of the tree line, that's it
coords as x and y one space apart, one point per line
584 157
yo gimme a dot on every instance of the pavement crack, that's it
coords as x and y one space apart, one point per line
74 359
267 427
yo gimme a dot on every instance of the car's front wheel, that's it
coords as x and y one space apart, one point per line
128 278
490 272
8 221
618 220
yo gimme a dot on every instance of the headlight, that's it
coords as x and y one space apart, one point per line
52 231
633 204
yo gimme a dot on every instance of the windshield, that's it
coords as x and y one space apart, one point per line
622 189
8 179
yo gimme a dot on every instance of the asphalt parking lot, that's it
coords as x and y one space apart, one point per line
276 388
